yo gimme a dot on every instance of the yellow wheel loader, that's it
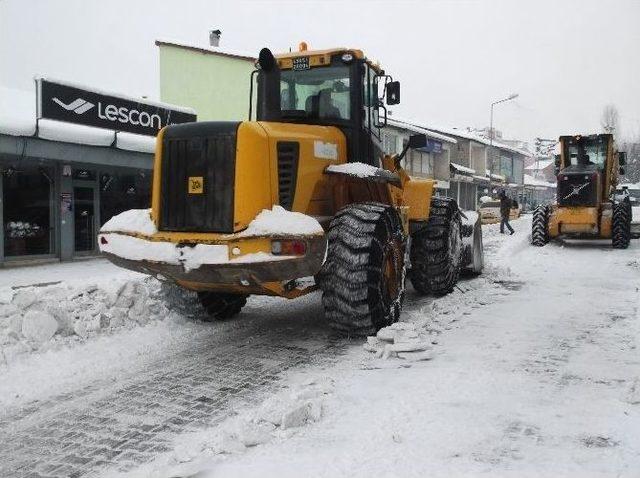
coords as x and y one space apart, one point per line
299 199
587 205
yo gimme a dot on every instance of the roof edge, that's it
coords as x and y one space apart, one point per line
206 51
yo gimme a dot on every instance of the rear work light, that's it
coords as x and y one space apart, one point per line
288 248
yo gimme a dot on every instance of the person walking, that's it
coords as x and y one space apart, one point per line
505 210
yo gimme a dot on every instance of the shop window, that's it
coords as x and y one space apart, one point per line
506 167
122 191
27 210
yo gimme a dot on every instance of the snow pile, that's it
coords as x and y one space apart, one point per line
470 218
136 221
403 340
43 318
278 417
485 199
279 221
359 170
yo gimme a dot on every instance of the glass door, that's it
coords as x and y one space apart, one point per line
84 219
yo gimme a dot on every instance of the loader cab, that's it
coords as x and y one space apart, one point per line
584 169
338 88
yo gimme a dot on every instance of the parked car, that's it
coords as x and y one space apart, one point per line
490 211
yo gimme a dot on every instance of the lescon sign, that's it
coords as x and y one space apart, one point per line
63 102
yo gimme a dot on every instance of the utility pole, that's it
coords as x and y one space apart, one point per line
509 98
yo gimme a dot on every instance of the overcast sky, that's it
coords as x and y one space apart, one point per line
566 59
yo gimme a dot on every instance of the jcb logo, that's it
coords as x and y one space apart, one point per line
195 185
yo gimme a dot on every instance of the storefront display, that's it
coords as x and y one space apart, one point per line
27 196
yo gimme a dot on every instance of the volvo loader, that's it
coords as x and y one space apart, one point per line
587 206
312 155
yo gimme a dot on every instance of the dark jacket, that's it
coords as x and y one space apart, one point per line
505 206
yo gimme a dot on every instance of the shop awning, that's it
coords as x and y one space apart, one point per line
459 169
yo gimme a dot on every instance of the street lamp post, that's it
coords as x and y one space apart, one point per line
509 98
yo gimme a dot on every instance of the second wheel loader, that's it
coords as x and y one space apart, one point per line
587 206
299 199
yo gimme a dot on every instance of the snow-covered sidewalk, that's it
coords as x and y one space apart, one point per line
535 373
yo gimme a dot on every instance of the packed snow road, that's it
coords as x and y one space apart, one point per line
535 371
118 399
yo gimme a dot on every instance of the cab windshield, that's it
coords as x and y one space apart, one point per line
316 93
588 152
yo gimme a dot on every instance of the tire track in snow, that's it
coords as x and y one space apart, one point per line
127 423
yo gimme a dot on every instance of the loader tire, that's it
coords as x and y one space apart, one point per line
221 306
362 279
436 249
540 226
621 225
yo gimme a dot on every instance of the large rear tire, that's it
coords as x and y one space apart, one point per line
436 249
221 306
540 226
621 225
362 279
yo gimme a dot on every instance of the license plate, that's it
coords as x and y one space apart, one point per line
301 63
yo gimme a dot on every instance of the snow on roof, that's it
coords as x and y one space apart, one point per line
419 128
464 133
240 55
531 181
496 176
463 169
539 164
18 118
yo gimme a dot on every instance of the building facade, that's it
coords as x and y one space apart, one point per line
213 81
59 182
542 168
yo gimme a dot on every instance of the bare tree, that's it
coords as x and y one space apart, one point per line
609 119
632 147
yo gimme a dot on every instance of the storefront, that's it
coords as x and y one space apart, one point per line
60 182
52 207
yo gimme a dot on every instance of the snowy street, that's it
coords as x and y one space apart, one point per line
535 371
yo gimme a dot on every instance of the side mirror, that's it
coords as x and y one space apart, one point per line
417 141
393 93
381 118
266 60
622 158
557 160
622 171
